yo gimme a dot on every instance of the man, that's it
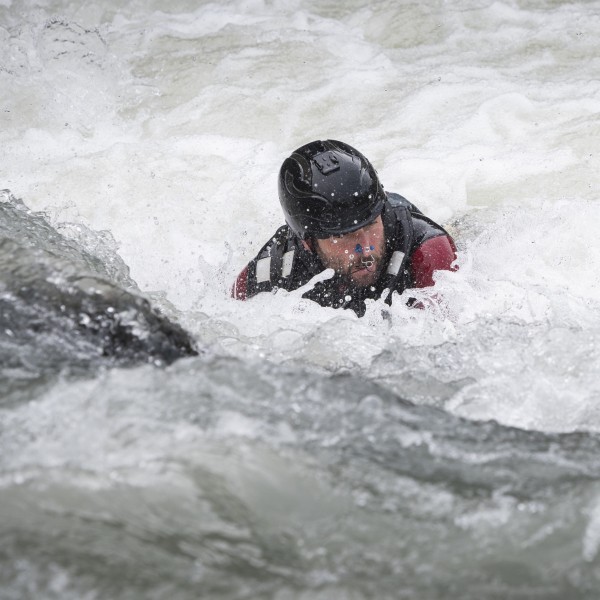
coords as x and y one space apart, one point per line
339 217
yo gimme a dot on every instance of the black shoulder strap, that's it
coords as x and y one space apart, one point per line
397 275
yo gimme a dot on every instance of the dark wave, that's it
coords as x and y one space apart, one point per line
62 307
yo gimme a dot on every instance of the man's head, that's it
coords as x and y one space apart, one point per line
330 194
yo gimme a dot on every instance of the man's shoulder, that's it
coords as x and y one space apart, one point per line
423 228
396 200
282 262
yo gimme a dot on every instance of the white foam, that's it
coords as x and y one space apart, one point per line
167 127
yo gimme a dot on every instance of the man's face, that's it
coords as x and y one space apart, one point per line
358 255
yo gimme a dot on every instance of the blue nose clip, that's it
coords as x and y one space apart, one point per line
359 249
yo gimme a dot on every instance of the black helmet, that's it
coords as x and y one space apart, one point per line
328 188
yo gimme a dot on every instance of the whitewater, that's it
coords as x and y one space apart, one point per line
298 451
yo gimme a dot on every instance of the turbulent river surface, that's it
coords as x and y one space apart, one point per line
159 440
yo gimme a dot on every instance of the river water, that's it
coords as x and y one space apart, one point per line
452 452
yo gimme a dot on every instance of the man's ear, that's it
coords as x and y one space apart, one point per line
308 245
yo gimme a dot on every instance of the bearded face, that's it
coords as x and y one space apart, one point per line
356 256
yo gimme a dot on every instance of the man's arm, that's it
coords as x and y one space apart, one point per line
281 263
239 291
257 275
435 254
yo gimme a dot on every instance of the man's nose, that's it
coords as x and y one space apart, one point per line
363 243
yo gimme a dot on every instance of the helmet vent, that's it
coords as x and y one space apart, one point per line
327 162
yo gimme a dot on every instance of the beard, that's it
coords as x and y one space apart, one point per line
361 271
